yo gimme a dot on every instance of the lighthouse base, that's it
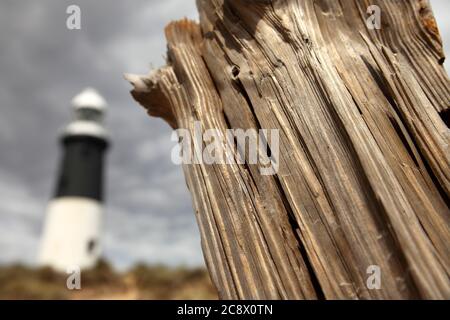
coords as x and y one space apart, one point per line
71 234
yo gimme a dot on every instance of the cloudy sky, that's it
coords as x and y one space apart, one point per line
42 66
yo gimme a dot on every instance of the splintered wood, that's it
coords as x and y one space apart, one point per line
364 163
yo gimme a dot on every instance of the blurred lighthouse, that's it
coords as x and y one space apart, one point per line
72 230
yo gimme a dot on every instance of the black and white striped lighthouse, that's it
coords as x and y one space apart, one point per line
72 229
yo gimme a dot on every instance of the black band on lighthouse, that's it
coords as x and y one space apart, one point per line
81 172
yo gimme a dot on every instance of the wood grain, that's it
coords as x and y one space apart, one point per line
364 176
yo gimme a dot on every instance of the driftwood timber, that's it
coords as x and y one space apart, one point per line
364 165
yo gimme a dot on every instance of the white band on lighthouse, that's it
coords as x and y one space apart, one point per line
71 233
86 128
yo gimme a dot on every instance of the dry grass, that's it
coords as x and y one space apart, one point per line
103 282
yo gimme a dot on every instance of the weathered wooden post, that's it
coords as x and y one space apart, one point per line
364 164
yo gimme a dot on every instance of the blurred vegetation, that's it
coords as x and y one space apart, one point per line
103 282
